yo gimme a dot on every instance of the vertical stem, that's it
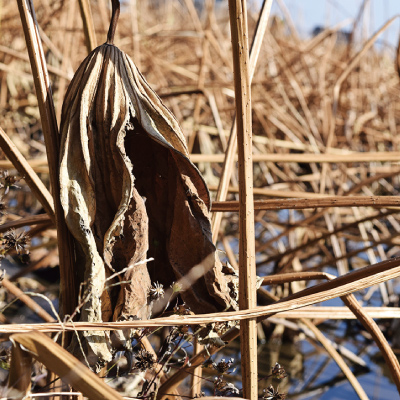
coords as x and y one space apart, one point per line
88 25
49 125
115 11
195 390
135 33
232 143
19 378
247 273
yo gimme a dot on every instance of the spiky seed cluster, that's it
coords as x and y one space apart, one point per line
273 394
8 181
156 291
224 388
144 360
278 371
223 366
14 240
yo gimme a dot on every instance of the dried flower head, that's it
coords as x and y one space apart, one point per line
144 360
14 240
8 181
182 309
271 394
223 366
224 388
156 291
278 371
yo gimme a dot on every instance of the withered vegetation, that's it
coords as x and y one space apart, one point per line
144 131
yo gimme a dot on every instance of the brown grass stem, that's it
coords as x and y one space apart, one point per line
25 221
50 131
232 142
304 203
247 270
25 170
35 307
88 25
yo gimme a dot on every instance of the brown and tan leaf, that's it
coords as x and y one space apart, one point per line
129 191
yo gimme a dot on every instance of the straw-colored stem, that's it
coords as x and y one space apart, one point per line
25 221
247 270
320 202
88 25
356 157
366 320
135 33
195 390
232 142
25 170
19 379
35 307
50 131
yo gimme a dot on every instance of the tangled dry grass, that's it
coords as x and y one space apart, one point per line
325 122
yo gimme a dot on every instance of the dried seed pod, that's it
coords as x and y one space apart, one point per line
129 191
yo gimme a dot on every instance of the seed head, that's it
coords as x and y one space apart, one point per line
14 240
156 291
278 371
144 360
271 394
223 366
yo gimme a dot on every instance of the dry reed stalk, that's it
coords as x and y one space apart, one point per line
306 312
195 389
389 202
27 221
70 369
232 142
247 270
338 86
354 281
307 157
19 379
88 25
338 359
135 33
362 315
20 295
22 166
67 47
49 125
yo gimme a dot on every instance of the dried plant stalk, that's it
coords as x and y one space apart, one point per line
49 124
88 25
247 270
26 171
232 143
391 202
67 367
19 379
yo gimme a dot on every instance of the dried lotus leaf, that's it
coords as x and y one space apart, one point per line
129 191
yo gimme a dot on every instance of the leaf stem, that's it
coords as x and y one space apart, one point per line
114 20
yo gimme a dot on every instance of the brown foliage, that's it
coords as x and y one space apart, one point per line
129 191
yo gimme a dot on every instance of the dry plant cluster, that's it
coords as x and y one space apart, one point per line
317 138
